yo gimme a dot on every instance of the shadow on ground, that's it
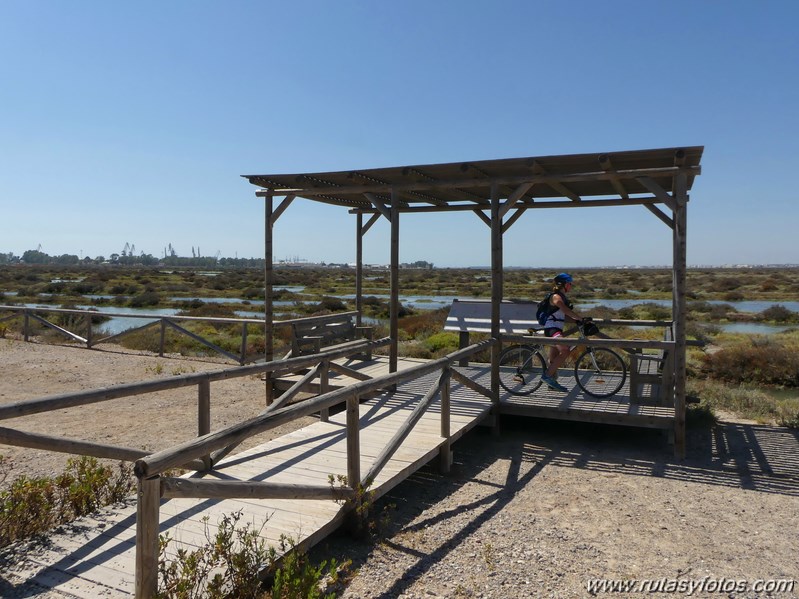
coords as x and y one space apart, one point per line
755 457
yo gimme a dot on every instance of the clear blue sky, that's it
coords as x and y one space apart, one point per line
131 122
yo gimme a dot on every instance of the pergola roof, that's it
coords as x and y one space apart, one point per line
630 176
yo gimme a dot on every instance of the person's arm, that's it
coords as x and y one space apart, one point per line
570 314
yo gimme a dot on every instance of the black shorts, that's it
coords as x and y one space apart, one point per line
553 332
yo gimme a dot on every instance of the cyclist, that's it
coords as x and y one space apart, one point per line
562 312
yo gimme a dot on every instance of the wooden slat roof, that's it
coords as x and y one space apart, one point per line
625 176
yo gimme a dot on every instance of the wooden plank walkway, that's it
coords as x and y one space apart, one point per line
95 556
575 405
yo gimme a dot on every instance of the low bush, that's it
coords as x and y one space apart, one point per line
148 298
442 343
231 562
747 402
32 506
778 313
764 361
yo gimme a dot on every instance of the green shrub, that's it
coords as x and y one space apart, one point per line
230 564
761 361
148 298
443 342
747 402
34 505
778 313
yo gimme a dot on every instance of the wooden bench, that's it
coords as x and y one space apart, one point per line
474 316
652 376
310 335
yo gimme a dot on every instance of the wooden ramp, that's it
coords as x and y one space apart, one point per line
95 556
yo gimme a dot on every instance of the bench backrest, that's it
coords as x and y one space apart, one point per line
311 334
474 316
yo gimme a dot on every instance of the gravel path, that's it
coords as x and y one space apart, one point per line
536 512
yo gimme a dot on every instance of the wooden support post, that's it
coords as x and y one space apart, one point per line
496 299
243 343
359 267
353 441
26 325
445 452
147 508
463 341
354 463
88 331
324 387
204 415
679 315
394 325
162 342
269 348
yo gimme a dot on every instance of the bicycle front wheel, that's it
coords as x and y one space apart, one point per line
520 369
600 372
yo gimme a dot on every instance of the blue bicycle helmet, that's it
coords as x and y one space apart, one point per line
563 278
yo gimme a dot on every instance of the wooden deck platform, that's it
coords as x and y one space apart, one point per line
544 403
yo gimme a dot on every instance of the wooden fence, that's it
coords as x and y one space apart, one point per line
87 338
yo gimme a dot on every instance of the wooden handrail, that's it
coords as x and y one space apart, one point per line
169 458
163 320
80 398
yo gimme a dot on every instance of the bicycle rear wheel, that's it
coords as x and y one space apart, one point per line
520 369
600 372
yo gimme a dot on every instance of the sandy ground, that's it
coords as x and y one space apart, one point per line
539 511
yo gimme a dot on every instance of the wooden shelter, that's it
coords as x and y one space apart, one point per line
499 192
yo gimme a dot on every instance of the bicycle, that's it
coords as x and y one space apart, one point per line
599 371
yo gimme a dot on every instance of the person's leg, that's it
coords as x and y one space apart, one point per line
557 356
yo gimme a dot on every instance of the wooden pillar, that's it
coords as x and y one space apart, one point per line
359 268
243 359
269 348
445 452
680 311
496 299
394 301
353 442
204 414
147 507
163 338
324 387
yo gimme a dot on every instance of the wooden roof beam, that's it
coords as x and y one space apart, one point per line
607 166
658 191
643 201
555 184
514 197
379 204
468 196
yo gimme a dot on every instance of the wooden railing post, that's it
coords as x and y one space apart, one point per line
88 331
324 387
163 338
204 415
353 441
26 325
147 508
243 343
445 452
355 516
